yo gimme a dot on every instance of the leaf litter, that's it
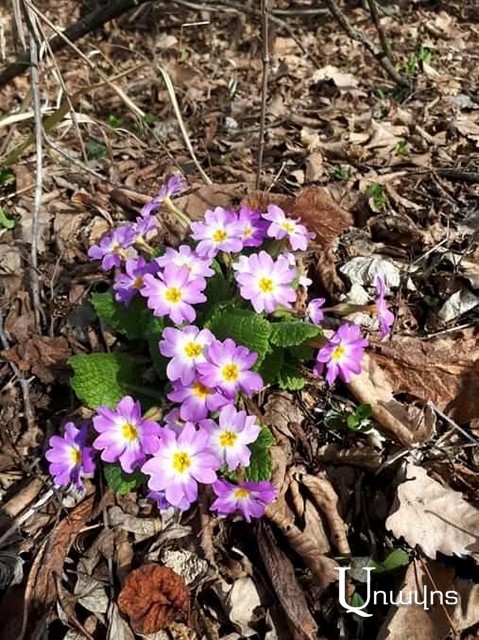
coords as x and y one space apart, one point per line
379 174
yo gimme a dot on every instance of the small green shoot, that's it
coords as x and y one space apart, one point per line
340 172
378 195
95 150
401 148
114 121
7 177
5 222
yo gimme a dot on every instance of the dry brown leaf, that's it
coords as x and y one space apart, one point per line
283 579
435 517
444 370
414 621
153 597
39 355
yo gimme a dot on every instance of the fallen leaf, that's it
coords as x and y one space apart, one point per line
242 603
415 621
39 355
434 517
363 270
341 80
458 303
153 597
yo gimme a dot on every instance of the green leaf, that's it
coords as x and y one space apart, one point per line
121 482
395 560
135 321
7 177
260 466
95 150
292 333
6 223
271 365
244 327
290 377
103 378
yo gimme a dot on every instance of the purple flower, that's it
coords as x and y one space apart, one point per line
127 284
181 461
184 256
175 185
160 499
197 400
173 420
172 292
314 310
144 228
228 369
249 498
265 282
125 436
229 438
252 227
283 227
114 247
220 231
385 317
342 355
186 347
69 458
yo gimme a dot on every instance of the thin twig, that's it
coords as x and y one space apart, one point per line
453 424
359 36
373 8
264 87
38 129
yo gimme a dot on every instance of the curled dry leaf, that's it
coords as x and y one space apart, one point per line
434 517
39 355
153 597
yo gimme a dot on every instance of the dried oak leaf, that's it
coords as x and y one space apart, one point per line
39 355
153 597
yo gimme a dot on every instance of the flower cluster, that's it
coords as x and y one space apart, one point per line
207 437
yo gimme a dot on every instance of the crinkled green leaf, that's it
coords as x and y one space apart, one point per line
261 467
244 327
290 377
292 333
131 321
121 482
103 378
395 560
271 365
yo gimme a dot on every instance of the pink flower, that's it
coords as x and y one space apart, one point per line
228 368
265 282
181 461
252 227
175 185
69 458
249 498
172 293
314 310
186 347
283 227
197 400
342 355
128 284
184 256
114 247
220 231
125 436
229 438
385 317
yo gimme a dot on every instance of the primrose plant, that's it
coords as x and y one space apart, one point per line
208 325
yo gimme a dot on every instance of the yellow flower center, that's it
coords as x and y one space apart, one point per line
287 226
181 461
129 432
265 285
230 372
242 493
228 438
220 235
338 353
200 390
137 282
193 350
173 295
75 455
247 232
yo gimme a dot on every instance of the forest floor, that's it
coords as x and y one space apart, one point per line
384 468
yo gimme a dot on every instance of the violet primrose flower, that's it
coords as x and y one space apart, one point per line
68 456
172 293
342 355
181 461
385 317
252 227
229 438
125 436
186 347
228 368
175 185
114 247
265 282
314 310
249 498
197 400
220 231
283 227
184 256
128 284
